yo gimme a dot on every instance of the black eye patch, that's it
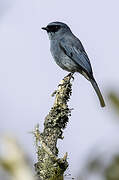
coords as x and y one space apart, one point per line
53 28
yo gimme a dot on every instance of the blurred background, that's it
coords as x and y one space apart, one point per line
29 75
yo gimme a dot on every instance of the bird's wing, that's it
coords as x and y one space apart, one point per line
76 52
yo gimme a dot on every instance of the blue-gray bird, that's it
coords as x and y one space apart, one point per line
69 53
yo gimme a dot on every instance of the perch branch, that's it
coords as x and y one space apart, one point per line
49 166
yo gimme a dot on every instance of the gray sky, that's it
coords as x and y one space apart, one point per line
28 74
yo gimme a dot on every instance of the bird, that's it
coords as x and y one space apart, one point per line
69 53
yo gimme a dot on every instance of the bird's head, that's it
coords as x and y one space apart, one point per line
56 29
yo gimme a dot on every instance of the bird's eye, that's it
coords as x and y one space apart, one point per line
56 27
53 28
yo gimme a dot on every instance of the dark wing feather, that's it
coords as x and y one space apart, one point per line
76 52
73 48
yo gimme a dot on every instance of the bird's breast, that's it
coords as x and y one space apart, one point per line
62 59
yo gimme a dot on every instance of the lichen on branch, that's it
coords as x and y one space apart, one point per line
49 166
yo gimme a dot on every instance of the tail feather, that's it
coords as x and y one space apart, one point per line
97 90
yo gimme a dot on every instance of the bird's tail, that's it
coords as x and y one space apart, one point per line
97 90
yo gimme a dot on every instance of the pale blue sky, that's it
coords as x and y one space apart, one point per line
28 74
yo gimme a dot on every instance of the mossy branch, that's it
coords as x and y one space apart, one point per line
49 166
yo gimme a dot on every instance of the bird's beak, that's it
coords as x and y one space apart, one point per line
45 28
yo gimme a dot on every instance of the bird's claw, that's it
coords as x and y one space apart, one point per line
70 75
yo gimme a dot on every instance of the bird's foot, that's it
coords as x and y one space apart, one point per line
70 75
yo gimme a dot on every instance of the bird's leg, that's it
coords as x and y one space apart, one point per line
70 75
